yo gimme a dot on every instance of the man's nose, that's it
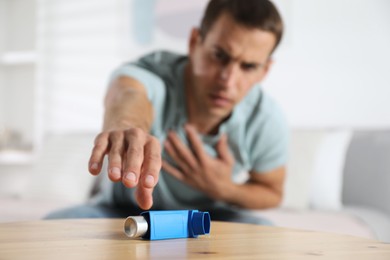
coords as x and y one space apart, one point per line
229 75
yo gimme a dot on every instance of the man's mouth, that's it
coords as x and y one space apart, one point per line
219 100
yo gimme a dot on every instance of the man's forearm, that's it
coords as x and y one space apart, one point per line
252 196
263 190
127 105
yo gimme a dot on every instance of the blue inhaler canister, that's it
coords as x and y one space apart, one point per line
168 224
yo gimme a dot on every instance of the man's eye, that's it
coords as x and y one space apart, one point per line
220 56
248 67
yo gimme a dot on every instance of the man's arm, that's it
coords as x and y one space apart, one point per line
262 190
134 156
126 105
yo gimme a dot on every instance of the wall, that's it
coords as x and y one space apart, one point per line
334 71
17 78
2 46
80 46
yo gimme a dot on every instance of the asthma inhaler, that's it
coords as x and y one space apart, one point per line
168 224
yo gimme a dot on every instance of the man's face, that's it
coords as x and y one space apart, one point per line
226 64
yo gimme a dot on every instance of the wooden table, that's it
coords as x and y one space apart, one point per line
104 239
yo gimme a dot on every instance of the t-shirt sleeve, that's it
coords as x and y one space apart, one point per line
153 84
269 142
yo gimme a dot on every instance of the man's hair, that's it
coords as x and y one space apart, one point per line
259 14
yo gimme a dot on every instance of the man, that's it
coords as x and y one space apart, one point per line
202 118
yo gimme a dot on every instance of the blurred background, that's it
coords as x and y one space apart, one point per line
331 73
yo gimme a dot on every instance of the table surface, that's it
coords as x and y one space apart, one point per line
104 239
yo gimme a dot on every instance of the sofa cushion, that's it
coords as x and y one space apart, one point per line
315 168
340 222
367 171
304 146
326 181
376 220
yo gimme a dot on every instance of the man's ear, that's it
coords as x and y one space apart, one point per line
194 38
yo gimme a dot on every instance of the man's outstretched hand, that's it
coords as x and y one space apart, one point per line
134 157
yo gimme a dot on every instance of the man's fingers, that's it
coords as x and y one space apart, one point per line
173 171
196 143
223 150
182 151
134 154
98 152
144 197
177 157
151 166
152 163
115 156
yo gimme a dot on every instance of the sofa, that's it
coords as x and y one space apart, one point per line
337 181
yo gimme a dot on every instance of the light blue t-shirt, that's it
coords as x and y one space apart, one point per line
257 132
